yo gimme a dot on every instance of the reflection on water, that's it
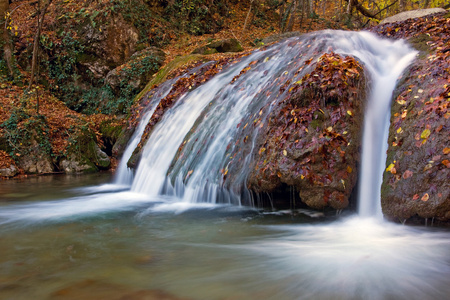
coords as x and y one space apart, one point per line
60 240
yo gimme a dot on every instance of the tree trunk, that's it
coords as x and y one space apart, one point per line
7 47
40 20
290 25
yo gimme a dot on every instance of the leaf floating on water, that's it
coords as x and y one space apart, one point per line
266 59
425 197
425 134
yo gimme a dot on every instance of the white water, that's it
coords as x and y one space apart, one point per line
198 177
124 175
207 251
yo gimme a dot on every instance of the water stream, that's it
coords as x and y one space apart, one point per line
174 229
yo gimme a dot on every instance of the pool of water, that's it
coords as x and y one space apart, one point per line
77 237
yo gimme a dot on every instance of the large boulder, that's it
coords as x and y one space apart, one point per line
84 155
411 14
312 141
416 182
107 46
137 71
37 160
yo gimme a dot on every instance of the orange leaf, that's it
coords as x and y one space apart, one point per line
407 174
446 150
425 197
446 162
416 196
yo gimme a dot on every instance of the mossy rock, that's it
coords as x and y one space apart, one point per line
221 46
84 155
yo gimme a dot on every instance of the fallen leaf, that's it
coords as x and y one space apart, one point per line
425 134
446 150
446 162
416 196
401 102
391 168
407 174
349 112
425 197
349 169
284 152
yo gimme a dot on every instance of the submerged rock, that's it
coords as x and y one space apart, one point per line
312 141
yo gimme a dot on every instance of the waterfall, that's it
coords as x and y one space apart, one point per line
188 150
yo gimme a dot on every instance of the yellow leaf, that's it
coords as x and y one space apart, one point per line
425 134
345 132
302 177
404 114
284 152
349 169
399 130
401 102
329 129
391 168
425 197
349 112
420 91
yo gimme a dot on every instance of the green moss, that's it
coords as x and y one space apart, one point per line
419 42
164 72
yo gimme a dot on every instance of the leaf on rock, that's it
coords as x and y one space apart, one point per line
407 174
425 197
416 196
391 168
425 134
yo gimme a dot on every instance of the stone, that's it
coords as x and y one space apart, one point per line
137 71
10 171
412 14
320 157
221 46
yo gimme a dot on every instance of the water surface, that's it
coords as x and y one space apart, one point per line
70 238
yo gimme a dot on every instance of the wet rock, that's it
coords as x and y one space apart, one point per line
95 289
412 14
221 46
150 295
312 141
416 182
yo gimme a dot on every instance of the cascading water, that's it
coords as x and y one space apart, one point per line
124 175
105 244
208 119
